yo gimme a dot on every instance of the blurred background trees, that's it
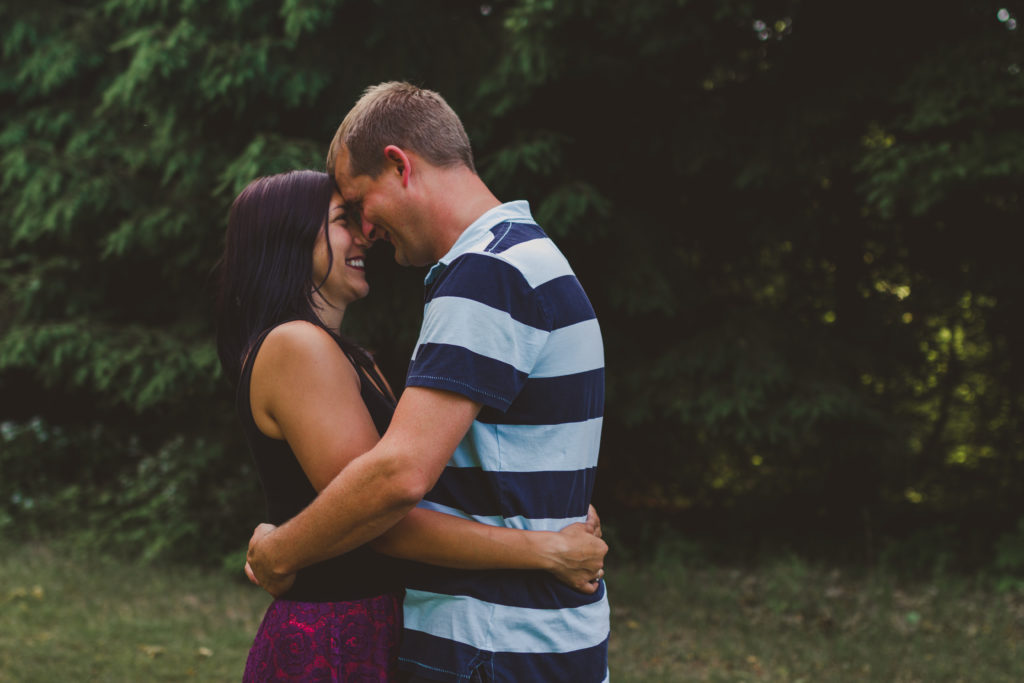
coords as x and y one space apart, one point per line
796 223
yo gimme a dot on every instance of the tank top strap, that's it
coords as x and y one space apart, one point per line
250 356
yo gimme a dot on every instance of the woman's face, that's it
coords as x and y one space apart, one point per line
346 280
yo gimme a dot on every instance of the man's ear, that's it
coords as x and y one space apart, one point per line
400 162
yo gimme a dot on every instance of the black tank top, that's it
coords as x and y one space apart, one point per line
360 573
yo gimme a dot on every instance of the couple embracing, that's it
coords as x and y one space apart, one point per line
448 535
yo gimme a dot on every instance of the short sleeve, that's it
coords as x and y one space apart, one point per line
484 328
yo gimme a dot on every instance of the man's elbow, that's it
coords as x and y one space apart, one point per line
403 472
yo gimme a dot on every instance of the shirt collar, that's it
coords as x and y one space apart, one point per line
479 232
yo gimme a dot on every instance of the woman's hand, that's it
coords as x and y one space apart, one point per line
259 571
593 521
577 553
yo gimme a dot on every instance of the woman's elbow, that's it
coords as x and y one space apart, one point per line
407 487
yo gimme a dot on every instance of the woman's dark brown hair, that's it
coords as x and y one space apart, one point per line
265 275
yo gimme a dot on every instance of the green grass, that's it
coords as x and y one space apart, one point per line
789 622
75 617
69 616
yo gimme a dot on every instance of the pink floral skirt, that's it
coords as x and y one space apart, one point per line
348 641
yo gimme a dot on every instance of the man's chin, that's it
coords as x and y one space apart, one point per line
403 259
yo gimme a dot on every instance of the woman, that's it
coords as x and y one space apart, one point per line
310 401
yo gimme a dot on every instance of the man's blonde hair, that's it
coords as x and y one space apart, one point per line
400 114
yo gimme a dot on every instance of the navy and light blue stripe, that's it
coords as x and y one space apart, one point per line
507 324
586 664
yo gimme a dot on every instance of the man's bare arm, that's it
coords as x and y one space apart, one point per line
372 493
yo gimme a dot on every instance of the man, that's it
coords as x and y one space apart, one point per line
507 374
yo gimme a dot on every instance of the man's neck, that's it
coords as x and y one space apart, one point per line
461 198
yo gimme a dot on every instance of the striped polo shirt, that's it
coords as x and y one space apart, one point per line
506 323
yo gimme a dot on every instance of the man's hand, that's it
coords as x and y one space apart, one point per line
578 560
257 568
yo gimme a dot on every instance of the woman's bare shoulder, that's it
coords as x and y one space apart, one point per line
300 348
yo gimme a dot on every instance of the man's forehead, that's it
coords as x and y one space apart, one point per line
349 191
349 187
341 176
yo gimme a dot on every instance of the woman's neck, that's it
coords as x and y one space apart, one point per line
330 315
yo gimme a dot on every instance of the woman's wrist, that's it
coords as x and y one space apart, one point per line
548 547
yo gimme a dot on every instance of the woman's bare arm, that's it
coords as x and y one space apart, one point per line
574 555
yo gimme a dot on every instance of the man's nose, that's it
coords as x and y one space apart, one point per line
370 231
360 239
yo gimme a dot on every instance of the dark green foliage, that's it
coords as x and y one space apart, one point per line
801 255
127 129
1009 562
118 492
795 221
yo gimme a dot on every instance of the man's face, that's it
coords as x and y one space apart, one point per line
379 204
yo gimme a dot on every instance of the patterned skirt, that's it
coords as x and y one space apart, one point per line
327 641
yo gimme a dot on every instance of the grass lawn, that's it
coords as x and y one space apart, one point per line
791 623
83 618
74 617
